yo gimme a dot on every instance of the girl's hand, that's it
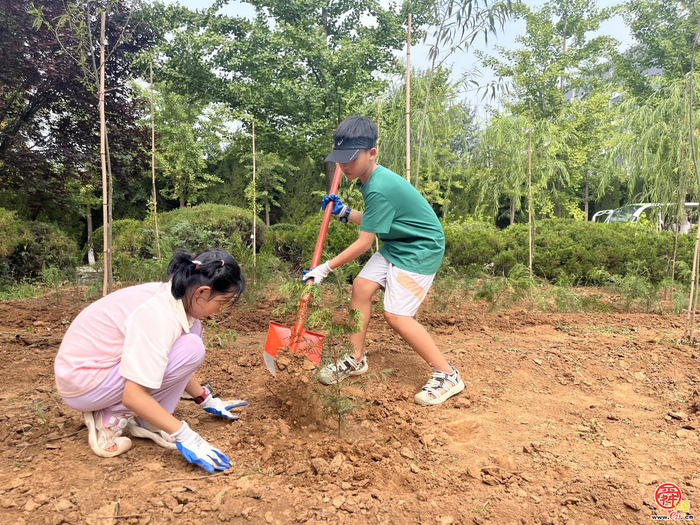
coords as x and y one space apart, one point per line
216 406
196 450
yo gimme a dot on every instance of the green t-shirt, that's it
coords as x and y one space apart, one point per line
404 221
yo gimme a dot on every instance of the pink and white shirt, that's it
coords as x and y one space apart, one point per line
134 327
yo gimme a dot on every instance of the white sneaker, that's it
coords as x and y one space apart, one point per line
141 429
440 387
336 372
103 437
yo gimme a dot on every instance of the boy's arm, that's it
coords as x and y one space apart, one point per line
356 217
352 252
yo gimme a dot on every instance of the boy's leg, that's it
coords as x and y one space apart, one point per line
362 292
419 339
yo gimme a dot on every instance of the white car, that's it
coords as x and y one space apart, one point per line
654 212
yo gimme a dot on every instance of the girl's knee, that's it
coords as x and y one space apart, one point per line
192 346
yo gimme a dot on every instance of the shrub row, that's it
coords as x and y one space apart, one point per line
28 247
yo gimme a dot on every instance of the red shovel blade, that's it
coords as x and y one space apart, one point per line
279 336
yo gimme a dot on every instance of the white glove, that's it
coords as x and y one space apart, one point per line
318 274
216 406
195 450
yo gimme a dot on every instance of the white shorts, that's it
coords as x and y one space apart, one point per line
403 291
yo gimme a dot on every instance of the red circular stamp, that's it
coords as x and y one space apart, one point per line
667 495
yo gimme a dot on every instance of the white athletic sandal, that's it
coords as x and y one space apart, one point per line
159 437
440 387
102 438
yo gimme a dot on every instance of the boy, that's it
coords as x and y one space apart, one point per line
404 267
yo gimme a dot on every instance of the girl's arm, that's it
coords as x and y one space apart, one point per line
352 252
137 399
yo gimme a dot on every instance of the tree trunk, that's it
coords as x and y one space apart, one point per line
103 161
329 168
557 201
586 197
153 168
267 204
91 248
512 211
182 200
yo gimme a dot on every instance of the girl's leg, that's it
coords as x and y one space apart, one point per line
186 355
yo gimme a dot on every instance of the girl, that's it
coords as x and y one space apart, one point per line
134 351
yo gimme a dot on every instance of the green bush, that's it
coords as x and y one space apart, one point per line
295 243
566 248
28 248
194 228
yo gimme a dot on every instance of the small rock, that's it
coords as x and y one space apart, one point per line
31 505
473 472
284 427
178 509
63 504
7 503
338 501
633 502
414 468
681 416
640 376
345 485
283 362
522 493
535 498
170 502
309 365
687 434
607 443
268 517
507 463
320 466
647 479
538 361
407 453
336 463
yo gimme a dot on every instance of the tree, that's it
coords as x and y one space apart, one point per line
297 69
550 59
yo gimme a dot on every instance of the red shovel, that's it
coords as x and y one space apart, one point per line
296 338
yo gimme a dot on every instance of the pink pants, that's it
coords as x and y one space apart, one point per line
186 356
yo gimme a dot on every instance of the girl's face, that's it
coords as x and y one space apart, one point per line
203 303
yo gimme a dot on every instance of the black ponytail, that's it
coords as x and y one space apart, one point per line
214 267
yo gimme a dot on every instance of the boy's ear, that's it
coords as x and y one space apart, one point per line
373 153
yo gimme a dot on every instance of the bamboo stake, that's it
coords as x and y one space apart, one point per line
690 326
153 167
529 192
254 197
408 102
103 160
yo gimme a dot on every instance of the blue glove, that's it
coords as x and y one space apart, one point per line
216 406
337 203
195 450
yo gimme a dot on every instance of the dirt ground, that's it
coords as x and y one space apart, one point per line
565 419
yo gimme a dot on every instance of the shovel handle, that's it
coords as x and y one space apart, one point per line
316 259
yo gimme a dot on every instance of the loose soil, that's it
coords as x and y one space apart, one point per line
565 419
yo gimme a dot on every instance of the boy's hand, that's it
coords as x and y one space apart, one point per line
337 203
317 273
220 408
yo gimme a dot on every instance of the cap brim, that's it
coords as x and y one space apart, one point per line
343 155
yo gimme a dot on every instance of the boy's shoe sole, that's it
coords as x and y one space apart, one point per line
438 400
335 379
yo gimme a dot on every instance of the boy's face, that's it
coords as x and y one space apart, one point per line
362 167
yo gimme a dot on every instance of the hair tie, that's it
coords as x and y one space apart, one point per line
222 262
197 264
